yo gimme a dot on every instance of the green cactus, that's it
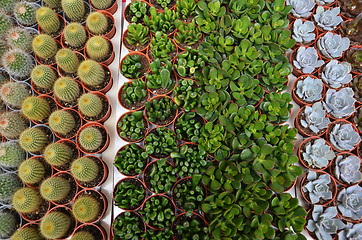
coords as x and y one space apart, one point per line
67 60
25 13
55 225
12 124
54 188
31 171
97 48
58 154
90 105
33 140
11 155
84 169
14 93
53 3
27 233
9 184
74 9
18 63
91 73
5 24
102 4
35 108
48 20
44 46
75 35
97 23
82 235
86 208
90 139
43 77
26 200
3 49
62 122
18 37
8 223
66 89
7 6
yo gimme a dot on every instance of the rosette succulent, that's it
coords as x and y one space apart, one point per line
317 187
328 19
310 89
351 232
340 103
332 45
301 8
336 74
317 154
344 137
303 33
347 169
315 118
307 60
349 202
324 2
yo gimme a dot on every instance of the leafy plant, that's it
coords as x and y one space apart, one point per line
347 169
340 104
137 10
275 76
188 127
317 187
128 224
160 142
161 111
344 137
328 19
160 80
131 66
187 94
246 91
134 92
207 15
188 62
348 202
129 194
277 106
315 118
161 47
163 22
191 227
186 8
132 126
151 234
335 50
212 103
160 176
307 60
187 33
131 160
303 32
138 35
309 89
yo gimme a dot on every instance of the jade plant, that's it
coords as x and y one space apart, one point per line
207 15
58 154
131 160
14 93
129 194
332 45
128 224
164 22
277 107
336 74
62 122
246 91
344 137
309 89
187 94
26 200
9 184
347 169
191 227
339 104
131 66
134 93
315 118
11 155
55 188
33 140
132 126
186 9
31 171
87 208
85 169
98 48
161 47
188 34
160 176
317 187
12 124
92 74
348 202
90 139
97 23
160 142
138 36
55 224
43 78
160 81
161 111
188 127
36 108
275 76
212 103
48 20
318 154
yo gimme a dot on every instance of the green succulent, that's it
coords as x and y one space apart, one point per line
131 160
191 227
132 126
161 111
9 221
163 22
161 176
160 142
62 122
188 127
90 105
67 60
101 4
186 8
43 77
189 62
246 91
160 80
12 124
74 9
138 36
36 108
187 94
127 224
21 38
137 11
134 92
151 234
277 107
129 194
75 35
187 33
18 63
161 47
82 235
11 155
27 233
131 66
91 74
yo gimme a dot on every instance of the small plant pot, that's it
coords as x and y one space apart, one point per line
302 149
145 61
158 156
297 72
312 234
50 61
111 10
107 60
158 7
145 130
321 56
38 215
333 166
147 178
111 31
132 48
73 222
27 78
320 30
50 137
183 46
106 85
29 91
141 223
62 73
101 177
102 200
172 55
164 91
167 121
136 182
87 11
57 34
66 45
180 220
78 124
49 171
105 138
128 17
133 173
291 187
106 111
53 107
73 189
97 231
74 104
197 117
339 214
137 105
39 90
330 129
306 132
320 72
328 5
75 152
300 101
303 44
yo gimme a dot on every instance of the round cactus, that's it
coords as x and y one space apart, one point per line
25 13
9 184
7 6
66 90
26 200
3 49
90 139
90 105
43 77
44 46
33 139
97 23
27 233
21 38
14 93
35 108
18 63
8 223
11 155
67 60
82 235
47 20
62 122
102 4
97 48
74 9
53 3
91 73
86 208
75 35
5 24
12 124
84 169
58 154
31 171
54 188
55 225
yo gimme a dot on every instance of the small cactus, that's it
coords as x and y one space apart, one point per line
97 48
5 24
27 233
43 77
33 140
21 38
62 122
8 223
67 60
11 155
90 105
3 49
82 235
54 188
53 3
48 20
66 89
58 154
31 171
90 139
97 23
74 9
18 63
86 208
26 200
91 73
12 124
9 184
101 4
44 46
14 93
25 13
75 35
84 169
55 225
35 108
7 6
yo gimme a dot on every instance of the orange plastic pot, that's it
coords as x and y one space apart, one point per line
297 45
108 60
300 101
97 231
301 128
339 214
170 121
142 103
106 86
136 53
102 178
105 116
131 140
105 142
140 184
330 129
112 9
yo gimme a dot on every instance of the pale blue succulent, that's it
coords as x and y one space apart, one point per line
310 89
349 202
317 187
315 118
324 223
307 60
351 232
318 154
324 2
344 137
347 169
328 20
335 74
332 45
340 103
303 32
301 8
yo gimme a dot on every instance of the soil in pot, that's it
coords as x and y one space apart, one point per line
71 75
133 47
162 91
128 15
39 214
159 7
307 131
93 230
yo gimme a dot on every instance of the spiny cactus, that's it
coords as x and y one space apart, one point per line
90 139
48 20
25 13
91 73
55 225
11 155
67 60
84 169
97 48
54 188
44 46
58 154
12 124
97 23
101 4
53 3
7 6
26 200
33 139
5 24
43 77
31 171
3 49
62 122
74 9
82 235
35 108
21 38
14 93
75 35
66 90
9 184
27 233
86 208
18 63
90 105
8 223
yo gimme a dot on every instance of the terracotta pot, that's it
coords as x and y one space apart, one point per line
131 175
330 128
136 182
301 129
107 85
78 120
102 118
291 187
170 121
41 91
143 49
102 174
296 71
333 165
56 36
180 217
78 49
149 169
136 53
141 223
140 105
48 62
126 9
339 214
111 10
39 214
297 45
62 73
53 107
106 141
300 101
112 32
30 225
97 231
300 153
76 154
108 60
162 91
49 171
152 58
73 223
329 7
326 59
73 188
131 140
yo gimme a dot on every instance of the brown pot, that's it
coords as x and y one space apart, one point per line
97 231
296 71
137 106
73 224
110 34
170 121
333 165
56 35
303 131
76 154
300 155
330 128
142 49
78 49
73 133
144 71
131 140
112 9
105 115
108 60
53 107
146 174
130 175
105 141
300 101
48 62
102 174
137 182
126 9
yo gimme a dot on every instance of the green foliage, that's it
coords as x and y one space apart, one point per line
98 48
35 108
47 20
7 6
31 171
207 15
138 10
138 35
55 225
53 3
62 121
84 169
161 111
186 8
11 155
131 160
187 33
90 139
14 93
213 78
43 77
26 200
18 63
163 3
21 38
58 154
160 142
188 62
74 9
212 103
188 127
151 234
90 105
82 235
33 139
160 176
66 90
101 4
275 76
67 60
127 224
8 223
27 233
97 23
246 91
129 194
55 188
9 184
86 208
25 13
91 73
5 24
164 22
161 75
75 35
132 126
277 107
135 91
131 66
12 124
187 94
192 227
161 47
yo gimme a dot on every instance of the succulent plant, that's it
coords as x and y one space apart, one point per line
340 103
277 106
98 48
31 171
138 35
44 46
11 155
161 176
18 63
347 169
48 20
12 124
58 154
35 108
349 202
27 233
43 77
66 90
14 93
9 221
67 60
5 24
128 224
310 89
324 2
351 231
328 20
336 74
86 208
91 73
317 187
33 139
82 235
132 127
151 234
131 66
25 13
164 22
62 121
160 142
131 160
101 4
7 6
301 9
75 35
344 137
356 85
352 29
53 3
74 9
332 45
21 38
307 60
129 194
303 32
90 139
84 169
26 200
315 118
90 105
188 34
160 77
9 184
55 188
191 227
161 110
318 154
55 225
134 92
97 23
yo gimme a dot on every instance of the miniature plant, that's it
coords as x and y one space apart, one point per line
66 90
44 46
160 79
328 20
58 154
310 89
43 77
317 187
75 35
5 24
348 202
187 94
160 176
160 142
347 169
82 235
129 194
307 60
344 137
164 22
55 188
128 224
98 48
315 118
352 29
62 122
12 124
207 15
151 234
318 154
90 105
356 85
246 91
9 184
31 171
18 63
131 66
138 35
132 126
53 3
353 56
161 47
25 13
84 169
324 2
134 92
187 33
33 139
11 155
332 45
188 62
188 127
301 9
101 4
67 60
131 160
97 23
90 139
74 9
275 76
336 74
86 208
14 93
350 231
18 37
27 233
137 11
47 20
186 9
91 74
35 108
192 228
9 222
26 200
303 33
55 225
339 104
277 107
7 6
161 111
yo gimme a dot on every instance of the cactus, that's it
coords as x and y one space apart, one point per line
74 9
102 4
62 122
35 108
48 20
82 235
44 46
84 169
90 105
26 200
7 6
58 154
27 233
43 77
14 93
31 171
25 13
55 225
9 184
18 63
21 38
53 3
75 35
97 23
97 48
66 90
33 140
67 60
11 155
12 124
8 223
5 24
91 73
54 188
90 139
86 208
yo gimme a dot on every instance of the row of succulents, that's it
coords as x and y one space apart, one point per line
54 106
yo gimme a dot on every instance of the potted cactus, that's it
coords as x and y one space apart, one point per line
89 231
133 95
131 160
350 139
101 24
14 93
68 62
30 230
134 65
18 64
35 139
92 138
99 49
11 155
135 11
95 76
34 170
49 22
60 154
94 107
9 184
65 123
45 48
161 110
38 109
346 169
104 5
129 193
75 10
12 124
10 221
132 126
74 36
308 90
21 38
128 223
43 78
137 37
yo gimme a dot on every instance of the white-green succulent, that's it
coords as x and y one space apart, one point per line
340 103
303 32
301 8
347 169
315 118
332 45
307 60
336 74
317 187
318 154
324 2
328 19
351 232
344 137
310 89
349 202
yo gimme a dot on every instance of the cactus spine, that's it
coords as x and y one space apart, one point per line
35 108
86 208
14 93
84 169
31 171
55 225
8 224
53 3
67 60
101 4
33 140
97 23
75 35
18 63
58 154
44 46
91 73
27 233
66 90
5 24
18 37
47 20
97 48
43 77
12 124
62 122
82 235
11 155
90 105
90 139
25 13
7 6
54 188
74 9
26 200
9 184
